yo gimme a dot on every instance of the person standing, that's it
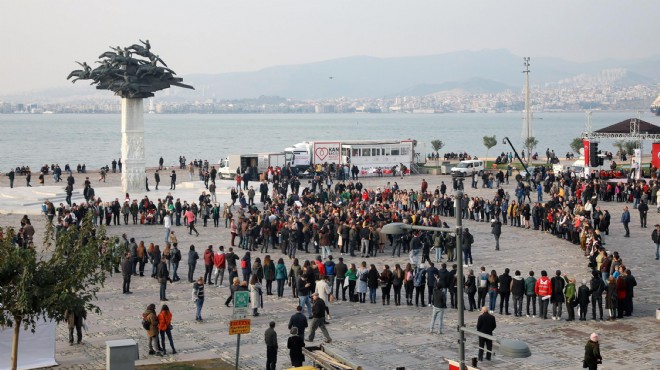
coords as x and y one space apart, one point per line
149 315
517 291
631 283
625 220
127 272
157 178
558 283
163 276
543 290
176 258
173 180
340 270
504 283
318 319
208 264
583 300
571 299
530 286
165 328
295 344
11 174
439 305
75 320
485 324
220 265
198 297
596 289
303 288
643 209
270 338
167 224
192 262
496 230
160 163
592 357
655 236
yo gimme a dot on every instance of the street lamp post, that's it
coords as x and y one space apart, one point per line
508 347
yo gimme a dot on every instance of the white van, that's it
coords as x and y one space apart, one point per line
467 168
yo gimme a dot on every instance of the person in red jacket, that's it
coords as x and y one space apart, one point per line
543 290
220 264
165 327
208 264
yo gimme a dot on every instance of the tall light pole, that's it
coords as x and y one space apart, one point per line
528 130
508 347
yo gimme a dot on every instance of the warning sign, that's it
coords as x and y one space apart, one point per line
239 327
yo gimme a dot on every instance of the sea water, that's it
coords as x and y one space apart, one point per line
94 139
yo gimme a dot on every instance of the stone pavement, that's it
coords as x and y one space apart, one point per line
372 335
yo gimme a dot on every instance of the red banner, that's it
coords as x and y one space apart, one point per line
656 155
585 143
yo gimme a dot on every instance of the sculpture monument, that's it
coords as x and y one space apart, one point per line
133 73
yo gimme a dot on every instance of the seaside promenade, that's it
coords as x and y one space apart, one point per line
371 335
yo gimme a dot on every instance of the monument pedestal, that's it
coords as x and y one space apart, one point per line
133 174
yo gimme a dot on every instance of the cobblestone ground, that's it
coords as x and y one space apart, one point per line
385 337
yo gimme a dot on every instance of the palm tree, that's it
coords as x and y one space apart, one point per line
577 145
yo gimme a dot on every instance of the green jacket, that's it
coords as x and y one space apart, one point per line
530 283
352 275
570 292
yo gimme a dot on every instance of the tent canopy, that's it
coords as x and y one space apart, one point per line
623 127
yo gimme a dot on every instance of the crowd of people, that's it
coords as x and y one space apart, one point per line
332 220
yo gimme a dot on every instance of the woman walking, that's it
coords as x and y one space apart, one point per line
165 328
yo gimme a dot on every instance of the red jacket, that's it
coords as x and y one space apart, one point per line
620 288
208 257
219 260
321 267
543 287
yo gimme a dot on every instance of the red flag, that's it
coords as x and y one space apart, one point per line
586 144
656 155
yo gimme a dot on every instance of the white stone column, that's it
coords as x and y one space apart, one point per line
132 146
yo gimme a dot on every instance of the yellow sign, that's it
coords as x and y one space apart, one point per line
239 327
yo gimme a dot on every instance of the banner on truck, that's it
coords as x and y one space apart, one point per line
326 152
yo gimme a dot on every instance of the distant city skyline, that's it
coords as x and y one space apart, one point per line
42 40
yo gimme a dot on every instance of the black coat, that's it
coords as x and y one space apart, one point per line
298 320
295 345
486 323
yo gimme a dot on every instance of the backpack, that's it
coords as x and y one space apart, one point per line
364 277
243 264
146 325
483 281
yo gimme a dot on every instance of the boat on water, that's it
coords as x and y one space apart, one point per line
655 106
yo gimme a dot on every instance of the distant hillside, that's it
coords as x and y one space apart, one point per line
484 71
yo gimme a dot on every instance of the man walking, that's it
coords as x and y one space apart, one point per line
625 220
496 227
485 324
299 320
271 346
318 319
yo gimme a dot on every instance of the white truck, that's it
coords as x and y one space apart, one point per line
367 155
253 164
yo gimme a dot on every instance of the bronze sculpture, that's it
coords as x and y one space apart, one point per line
128 76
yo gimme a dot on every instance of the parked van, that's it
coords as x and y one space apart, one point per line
467 168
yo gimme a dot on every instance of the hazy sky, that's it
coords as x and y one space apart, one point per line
42 39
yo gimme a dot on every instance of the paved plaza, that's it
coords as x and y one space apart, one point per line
371 335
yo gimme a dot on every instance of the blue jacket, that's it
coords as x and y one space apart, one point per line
625 217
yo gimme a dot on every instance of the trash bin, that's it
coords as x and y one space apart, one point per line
121 354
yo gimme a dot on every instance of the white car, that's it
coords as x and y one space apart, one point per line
467 168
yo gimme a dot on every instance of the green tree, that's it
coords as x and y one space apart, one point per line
577 145
437 145
489 142
620 145
630 146
530 143
64 275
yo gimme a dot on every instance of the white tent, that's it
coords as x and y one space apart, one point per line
35 350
